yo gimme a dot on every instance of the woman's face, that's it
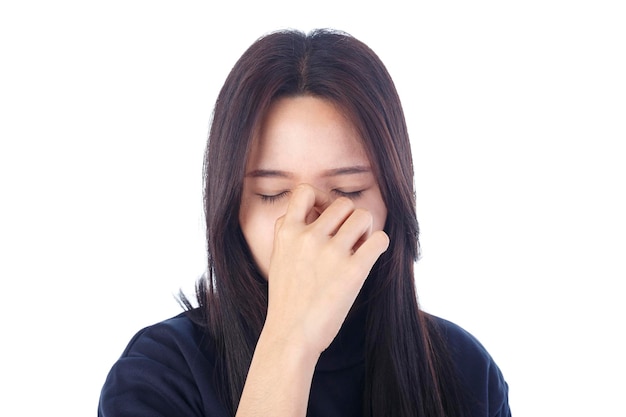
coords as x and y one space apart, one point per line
303 140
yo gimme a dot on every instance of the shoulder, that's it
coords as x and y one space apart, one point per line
462 344
479 374
177 335
166 369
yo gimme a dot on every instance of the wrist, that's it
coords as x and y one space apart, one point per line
289 346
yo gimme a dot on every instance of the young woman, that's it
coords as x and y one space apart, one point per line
308 306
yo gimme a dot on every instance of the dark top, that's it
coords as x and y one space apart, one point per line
167 370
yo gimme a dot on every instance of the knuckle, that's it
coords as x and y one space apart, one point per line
317 230
363 215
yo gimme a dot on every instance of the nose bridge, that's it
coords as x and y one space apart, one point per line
320 184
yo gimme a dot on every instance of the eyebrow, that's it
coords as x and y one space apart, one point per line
272 173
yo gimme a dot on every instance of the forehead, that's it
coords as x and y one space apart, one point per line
303 133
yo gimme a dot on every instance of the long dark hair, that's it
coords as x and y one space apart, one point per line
407 370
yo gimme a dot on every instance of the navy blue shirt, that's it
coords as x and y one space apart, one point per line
167 370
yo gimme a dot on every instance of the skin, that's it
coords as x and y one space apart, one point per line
312 214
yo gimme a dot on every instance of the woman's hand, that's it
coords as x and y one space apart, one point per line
323 252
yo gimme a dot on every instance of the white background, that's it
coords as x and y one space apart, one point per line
517 115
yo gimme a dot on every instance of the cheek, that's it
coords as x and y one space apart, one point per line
376 206
380 218
257 225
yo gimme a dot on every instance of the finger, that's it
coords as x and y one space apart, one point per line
277 228
304 199
356 229
371 249
331 219
278 224
362 239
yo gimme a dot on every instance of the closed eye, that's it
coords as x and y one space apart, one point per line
353 195
273 198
